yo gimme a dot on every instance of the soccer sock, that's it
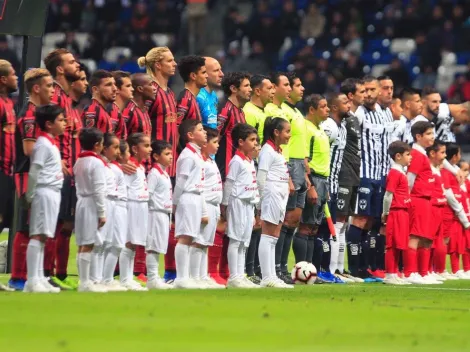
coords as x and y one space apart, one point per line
84 263
431 261
241 260
195 259
455 262
151 261
299 246
466 261
289 234
353 238
126 264
391 261
170 264
380 245
139 261
49 257
278 251
20 247
439 256
334 247
232 256
264 253
203 271
365 251
410 261
41 261
214 252
95 264
223 263
424 254
317 252
112 257
33 254
273 257
341 238
182 261
310 249
62 251
373 249
252 252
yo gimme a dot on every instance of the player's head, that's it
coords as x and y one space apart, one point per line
91 139
80 86
214 73
437 152
423 133
396 107
385 90
276 130
50 119
8 77
237 84
192 68
110 146
192 131
281 86
317 107
103 86
158 60
125 90
354 90
244 138
39 85
464 168
371 91
139 146
212 145
400 153
431 100
453 153
263 89
411 102
257 149
124 153
143 86
339 105
61 62
162 153
298 89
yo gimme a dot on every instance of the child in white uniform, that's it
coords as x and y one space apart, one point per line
44 187
160 209
188 198
240 197
273 183
137 209
90 216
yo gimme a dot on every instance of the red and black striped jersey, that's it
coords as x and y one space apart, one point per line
118 123
188 108
163 119
75 148
62 99
7 135
229 116
136 119
96 115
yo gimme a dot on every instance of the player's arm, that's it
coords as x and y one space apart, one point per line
411 180
182 176
29 133
457 207
99 192
460 112
182 110
152 182
38 160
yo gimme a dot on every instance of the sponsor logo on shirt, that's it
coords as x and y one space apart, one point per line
364 190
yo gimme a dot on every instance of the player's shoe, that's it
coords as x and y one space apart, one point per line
185 284
48 286
448 276
71 282
90 286
328 278
169 276
132 285
142 278
415 279
343 278
254 279
212 284
286 278
462 275
275 282
338 280
392 279
236 282
114 286
158 284
348 275
15 284
54 281
219 279
36 287
437 277
249 284
6 288
430 280
319 281
376 273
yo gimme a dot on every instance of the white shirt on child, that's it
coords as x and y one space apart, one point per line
160 190
213 189
47 156
191 165
136 183
111 186
121 188
243 173
274 163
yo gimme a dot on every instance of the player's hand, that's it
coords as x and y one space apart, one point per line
101 222
384 219
312 196
65 169
223 212
129 169
205 220
460 177
291 187
307 180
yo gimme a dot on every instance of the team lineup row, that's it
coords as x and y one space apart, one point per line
144 104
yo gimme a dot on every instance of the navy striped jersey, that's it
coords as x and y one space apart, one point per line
443 122
188 108
337 134
389 127
372 140
351 164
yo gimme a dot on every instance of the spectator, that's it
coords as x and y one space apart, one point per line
7 54
353 39
270 34
142 44
233 26
313 23
197 14
398 74
65 17
165 19
94 48
447 36
459 91
353 67
70 43
140 19
256 62
426 78
290 20
88 18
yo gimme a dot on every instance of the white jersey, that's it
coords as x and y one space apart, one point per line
160 190
389 128
90 180
408 137
137 185
121 188
274 163
443 122
338 136
47 156
399 127
242 172
111 186
191 165
213 189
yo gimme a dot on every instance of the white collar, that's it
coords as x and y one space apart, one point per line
398 167
436 170
419 148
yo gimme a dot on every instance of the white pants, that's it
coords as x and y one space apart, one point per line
188 215
158 231
44 212
240 219
207 232
137 215
119 226
86 223
274 202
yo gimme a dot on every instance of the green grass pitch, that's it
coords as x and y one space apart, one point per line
365 317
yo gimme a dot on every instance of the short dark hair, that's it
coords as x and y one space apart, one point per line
332 98
398 147
242 131
313 100
428 90
84 68
45 113
452 149
211 133
54 59
257 80
108 139
99 75
159 146
407 93
272 124
134 139
123 146
369 78
435 147
233 79
186 127
190 64
118 77
275 77
383 78
88 138
292 76
349 85
421 127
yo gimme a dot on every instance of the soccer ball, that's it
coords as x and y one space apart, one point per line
304 273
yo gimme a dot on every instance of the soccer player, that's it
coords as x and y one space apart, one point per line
399 121
65 70
90 180
125 90
160 208
38 84
136 113
395 210
79 88
188 198
207 98
349 178
239 199
412 108
194 74
44 185
297 165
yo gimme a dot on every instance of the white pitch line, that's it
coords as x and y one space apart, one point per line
414 287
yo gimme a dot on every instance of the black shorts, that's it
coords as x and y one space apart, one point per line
68 201
7 195
346 203
313 214
296 169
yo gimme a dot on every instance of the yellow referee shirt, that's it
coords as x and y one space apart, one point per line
297 145
272 110
255 116
318 147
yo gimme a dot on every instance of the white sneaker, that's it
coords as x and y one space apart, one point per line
236 282
45 282
415 279
113 286
449 276
392 279
131 285
462 275
158 284
274 283
249 284
438 277
431 280
353 278
35 287
91 287
186 284
346 279
211 284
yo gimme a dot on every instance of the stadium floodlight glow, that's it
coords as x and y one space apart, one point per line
386 43
291 68
379 15
376 55
326 55
370 28
336 42
311 41
402 56
366 69
416 70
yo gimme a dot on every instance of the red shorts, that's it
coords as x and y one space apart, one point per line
437 224
447 224
467 238
457 239
397 231
420 218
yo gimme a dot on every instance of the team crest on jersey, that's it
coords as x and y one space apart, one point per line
89 123
363 204
354 249
326 247
28 128
172 117
340 203
372 242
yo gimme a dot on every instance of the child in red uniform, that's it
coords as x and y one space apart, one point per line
465 168
395 210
